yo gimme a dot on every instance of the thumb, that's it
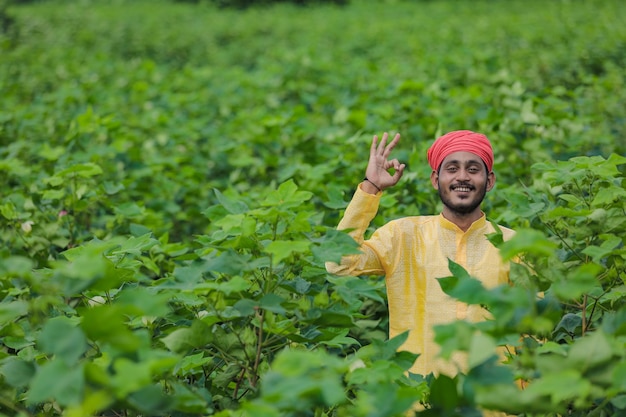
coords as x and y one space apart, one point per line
398 174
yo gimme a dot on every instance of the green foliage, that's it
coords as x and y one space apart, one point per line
173 174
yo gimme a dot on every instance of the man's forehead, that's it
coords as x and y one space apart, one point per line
462 157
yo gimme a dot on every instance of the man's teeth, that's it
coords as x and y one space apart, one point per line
462 189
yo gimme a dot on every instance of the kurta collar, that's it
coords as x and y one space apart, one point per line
477 225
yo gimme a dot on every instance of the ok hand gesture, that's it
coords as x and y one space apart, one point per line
377 172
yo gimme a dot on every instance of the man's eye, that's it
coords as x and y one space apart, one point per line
473 170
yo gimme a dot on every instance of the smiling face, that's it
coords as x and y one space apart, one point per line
462 182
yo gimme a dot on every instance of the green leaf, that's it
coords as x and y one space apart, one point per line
354 289
282 249
144 301
579 281
228 262
334 245
130 376
619 376
552 385
59 381
463 287
17 372
527 241
608 195
273 303
231 205
482 348
8 211
134 245
62 338
570 323
619 401
107 324
151 400
443 393
287 196
186 339
590 351
233 285
10 311
85 170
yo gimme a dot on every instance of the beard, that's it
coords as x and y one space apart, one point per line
466 206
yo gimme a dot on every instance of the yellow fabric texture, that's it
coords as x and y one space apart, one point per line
412 253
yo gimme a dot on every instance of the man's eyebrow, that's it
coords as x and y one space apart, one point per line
468 162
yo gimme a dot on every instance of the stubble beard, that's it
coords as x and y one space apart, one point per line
463 209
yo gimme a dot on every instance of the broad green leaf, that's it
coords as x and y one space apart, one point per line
130 210
186 339
553 347
590 351
282 249
107 325
235 284
17 372
134 245
85 170
130 376
608 195
333 246
354 289
619 376
151 399
619 401
233 206
329 318
455 336
8 211
527 241
229 262
552 385
54 194
62 338
9 311
144 301
16 266
443 393
570 323
58 381
463 287
287 196
482 347
93 402
579 281
273 303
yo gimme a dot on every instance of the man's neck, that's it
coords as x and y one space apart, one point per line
462 221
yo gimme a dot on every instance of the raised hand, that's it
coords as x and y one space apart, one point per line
379 165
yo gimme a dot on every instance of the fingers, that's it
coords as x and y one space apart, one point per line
382 148
391 145
398 174
374 142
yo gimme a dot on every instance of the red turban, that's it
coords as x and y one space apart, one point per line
457 141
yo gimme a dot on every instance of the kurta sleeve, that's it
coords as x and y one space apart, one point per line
359 213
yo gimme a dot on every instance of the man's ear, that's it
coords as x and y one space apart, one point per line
491 180
434 179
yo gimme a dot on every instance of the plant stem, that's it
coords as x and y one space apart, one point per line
584 315
259 346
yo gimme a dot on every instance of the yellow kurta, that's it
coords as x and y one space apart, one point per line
412 253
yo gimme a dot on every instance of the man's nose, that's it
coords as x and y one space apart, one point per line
463 175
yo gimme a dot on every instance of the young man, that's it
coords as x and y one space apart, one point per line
413 252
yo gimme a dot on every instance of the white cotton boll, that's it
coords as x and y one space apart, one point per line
27 226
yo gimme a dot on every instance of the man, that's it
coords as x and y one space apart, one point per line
413 252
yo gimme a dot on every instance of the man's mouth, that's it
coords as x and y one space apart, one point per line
462 188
